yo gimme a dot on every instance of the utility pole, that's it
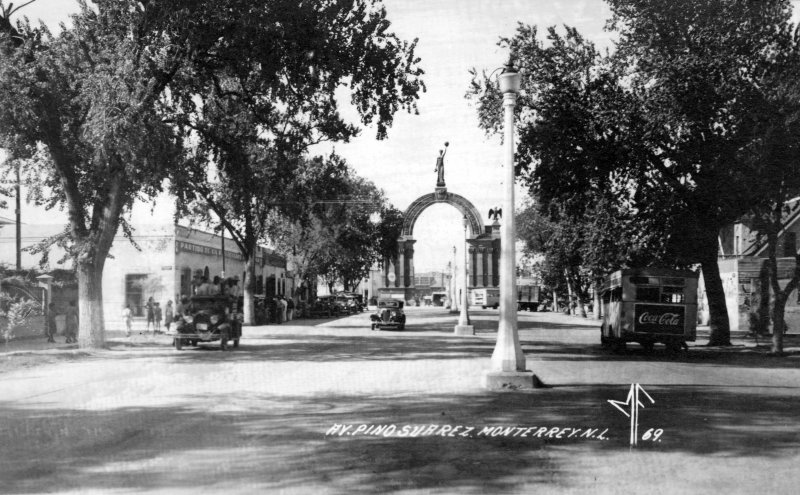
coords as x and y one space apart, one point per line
18 212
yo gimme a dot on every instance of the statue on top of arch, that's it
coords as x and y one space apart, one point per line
440 166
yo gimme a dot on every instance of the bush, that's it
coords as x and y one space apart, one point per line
17 313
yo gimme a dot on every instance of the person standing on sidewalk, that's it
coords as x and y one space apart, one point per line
127 317
51 323
157 314
151 315
168 315
71 329
283 304
290 309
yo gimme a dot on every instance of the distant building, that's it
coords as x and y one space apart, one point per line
163 266
741 258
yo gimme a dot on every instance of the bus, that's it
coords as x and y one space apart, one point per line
485 298
648 306
438 298
528 298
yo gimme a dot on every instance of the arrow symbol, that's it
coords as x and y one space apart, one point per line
634 404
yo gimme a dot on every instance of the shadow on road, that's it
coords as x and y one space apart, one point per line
274 443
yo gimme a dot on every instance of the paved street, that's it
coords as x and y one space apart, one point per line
143 417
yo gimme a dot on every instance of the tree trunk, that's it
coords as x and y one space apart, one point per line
249 304
555 301
778 322
762 312
718 310
597 302
91 326
570 296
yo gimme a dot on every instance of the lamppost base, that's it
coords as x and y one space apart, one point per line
464 330
511 380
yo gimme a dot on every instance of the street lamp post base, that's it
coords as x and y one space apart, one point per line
511 380
464 330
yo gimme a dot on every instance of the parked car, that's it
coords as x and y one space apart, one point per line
352 301
324 306
209 319
389 315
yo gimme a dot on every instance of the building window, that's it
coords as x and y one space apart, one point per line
134 293
186 281
789 244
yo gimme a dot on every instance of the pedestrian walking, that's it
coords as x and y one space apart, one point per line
127 318
169 315
234 289
52 328
151 315
71 328
284 307
290 309
157 314
275 309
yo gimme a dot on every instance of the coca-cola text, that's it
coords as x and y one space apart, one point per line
670 319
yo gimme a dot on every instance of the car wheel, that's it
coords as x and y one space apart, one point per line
496 306
647 346
235 342
223 341
402 327
178 343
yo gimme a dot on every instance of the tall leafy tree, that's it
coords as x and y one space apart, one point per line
776 153
85 107
101 108
697 67
343 226
660 124
257 119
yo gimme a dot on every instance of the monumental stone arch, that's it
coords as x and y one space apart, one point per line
483 241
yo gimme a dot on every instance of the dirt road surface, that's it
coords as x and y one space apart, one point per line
328 406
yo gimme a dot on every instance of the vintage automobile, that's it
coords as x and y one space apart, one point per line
351 301
209 319
389 315
325 307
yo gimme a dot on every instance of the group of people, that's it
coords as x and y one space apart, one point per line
217 285
70 323
283 309
154 315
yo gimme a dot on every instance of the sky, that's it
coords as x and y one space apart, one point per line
454 36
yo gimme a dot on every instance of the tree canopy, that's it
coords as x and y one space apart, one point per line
660 127
104 108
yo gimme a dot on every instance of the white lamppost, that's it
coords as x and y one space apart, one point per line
464 327
508 362
453 285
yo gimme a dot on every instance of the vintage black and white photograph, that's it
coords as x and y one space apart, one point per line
399 246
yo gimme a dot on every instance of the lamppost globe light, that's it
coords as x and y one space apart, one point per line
509 79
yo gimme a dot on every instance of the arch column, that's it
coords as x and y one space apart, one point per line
400 281
481 257
489 263
472 255
408 266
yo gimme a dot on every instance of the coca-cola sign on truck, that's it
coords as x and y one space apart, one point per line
652 318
